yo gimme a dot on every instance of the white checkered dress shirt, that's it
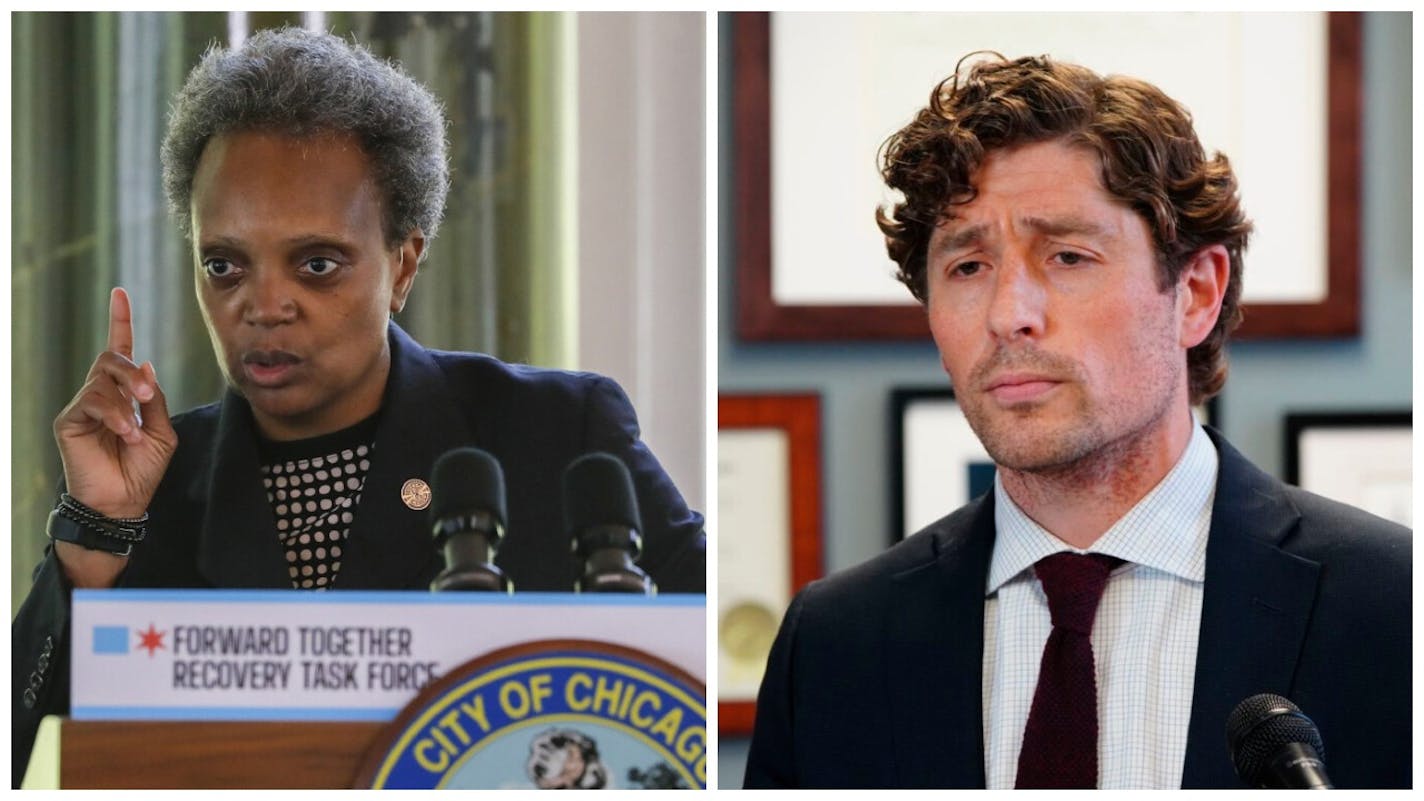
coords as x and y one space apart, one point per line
1144 638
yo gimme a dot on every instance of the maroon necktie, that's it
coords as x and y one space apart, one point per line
1060 744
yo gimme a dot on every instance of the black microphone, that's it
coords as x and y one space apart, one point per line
467 520
1274 745
601 518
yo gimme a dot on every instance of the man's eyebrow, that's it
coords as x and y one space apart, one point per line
1065 226
962 238
1047 226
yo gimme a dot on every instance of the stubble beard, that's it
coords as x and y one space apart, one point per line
1017 439
1084 440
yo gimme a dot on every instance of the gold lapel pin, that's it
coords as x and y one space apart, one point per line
416 494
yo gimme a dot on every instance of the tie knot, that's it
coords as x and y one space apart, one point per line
1074 585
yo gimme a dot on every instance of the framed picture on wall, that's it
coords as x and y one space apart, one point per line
768 534
1360 458
937 463
816 94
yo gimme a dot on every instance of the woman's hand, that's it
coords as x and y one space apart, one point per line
113 457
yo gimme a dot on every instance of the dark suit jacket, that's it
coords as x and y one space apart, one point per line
210 524
875 677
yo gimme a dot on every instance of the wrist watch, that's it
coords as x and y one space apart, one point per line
62 529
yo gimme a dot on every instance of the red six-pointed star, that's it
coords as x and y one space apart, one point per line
151 640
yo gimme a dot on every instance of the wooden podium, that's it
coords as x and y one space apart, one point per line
112 754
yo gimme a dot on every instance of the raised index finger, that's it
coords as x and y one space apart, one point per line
120 323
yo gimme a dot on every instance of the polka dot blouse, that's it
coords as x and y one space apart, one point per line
314 487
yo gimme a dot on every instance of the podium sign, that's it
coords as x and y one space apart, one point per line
327 656
557 714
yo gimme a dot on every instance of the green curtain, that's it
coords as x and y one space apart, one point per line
500 265
90 94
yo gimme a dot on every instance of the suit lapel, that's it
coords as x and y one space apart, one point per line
238 545
1255 611
389 543
934 646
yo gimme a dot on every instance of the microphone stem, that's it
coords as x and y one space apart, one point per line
467 548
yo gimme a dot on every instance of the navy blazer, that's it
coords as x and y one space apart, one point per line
875 679
210 524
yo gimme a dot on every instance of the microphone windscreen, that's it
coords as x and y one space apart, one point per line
599 492
1257 729
466 480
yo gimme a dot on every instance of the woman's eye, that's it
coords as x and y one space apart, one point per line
320 266
1070 258
219 268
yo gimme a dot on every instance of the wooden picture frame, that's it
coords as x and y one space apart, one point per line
761 317
748 617
1363 458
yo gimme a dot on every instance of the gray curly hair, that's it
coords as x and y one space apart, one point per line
301 83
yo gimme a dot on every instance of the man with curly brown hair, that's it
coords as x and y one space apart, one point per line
1131 578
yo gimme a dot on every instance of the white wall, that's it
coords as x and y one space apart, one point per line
641 182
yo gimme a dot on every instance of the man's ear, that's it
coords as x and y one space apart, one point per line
408 262
1201 287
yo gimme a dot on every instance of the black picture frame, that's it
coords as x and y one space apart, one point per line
1298 423
1375 474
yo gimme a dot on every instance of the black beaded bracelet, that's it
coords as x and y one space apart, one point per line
73 521
79 507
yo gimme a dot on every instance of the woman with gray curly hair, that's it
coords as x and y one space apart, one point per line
311 177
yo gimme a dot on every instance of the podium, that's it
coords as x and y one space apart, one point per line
178 689
116 754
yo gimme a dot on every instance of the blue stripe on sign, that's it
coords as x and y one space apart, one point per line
111 639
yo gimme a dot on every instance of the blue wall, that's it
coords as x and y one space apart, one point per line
1268 379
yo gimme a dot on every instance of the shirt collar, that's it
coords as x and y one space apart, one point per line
1166 530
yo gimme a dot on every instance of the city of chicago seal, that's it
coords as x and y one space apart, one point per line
556 714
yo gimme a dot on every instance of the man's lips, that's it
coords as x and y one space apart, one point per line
1020 387
269 368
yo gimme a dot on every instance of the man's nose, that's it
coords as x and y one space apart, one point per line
1019 301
